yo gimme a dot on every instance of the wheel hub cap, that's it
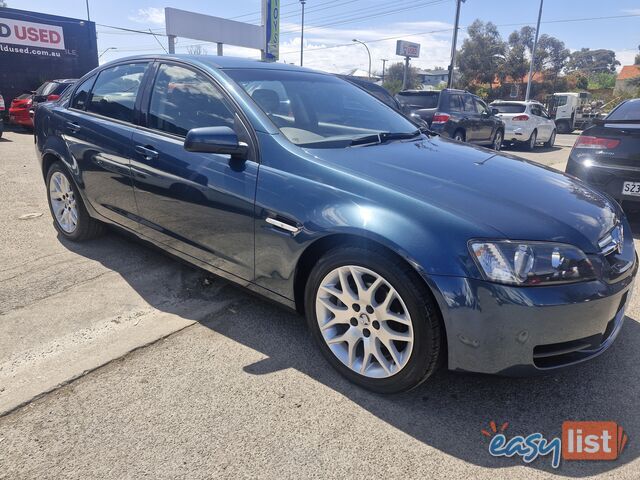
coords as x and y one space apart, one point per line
63 202
364 321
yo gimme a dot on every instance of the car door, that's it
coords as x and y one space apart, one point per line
97 128
201 204
470 119
486 122
539 123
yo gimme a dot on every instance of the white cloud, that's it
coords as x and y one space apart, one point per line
632 11
149 15
626 57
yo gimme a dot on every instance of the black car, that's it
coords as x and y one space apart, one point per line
455 114
50 91
374 89
607 154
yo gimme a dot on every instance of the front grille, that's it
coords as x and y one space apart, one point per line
612 241
564 353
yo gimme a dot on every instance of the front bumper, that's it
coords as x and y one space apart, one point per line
505 330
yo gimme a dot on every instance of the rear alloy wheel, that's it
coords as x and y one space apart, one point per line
69 214
563 127
373 323
531 144
497 141
459 136
552 140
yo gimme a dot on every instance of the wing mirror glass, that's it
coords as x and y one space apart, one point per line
221 140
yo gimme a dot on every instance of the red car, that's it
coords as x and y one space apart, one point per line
21 106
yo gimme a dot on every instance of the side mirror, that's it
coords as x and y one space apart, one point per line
495 111
222 140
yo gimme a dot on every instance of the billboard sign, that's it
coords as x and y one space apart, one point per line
407 49
272 30
181 23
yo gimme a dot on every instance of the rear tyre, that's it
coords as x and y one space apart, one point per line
70 217
497 141
459 136
552 140
373 319
531 143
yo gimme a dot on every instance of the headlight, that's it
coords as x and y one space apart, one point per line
531 263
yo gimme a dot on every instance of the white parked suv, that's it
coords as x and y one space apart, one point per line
527 123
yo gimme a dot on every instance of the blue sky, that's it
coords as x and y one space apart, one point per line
336 22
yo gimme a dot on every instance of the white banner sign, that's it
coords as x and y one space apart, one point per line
407 49
31 34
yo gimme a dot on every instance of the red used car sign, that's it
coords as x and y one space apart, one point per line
31 34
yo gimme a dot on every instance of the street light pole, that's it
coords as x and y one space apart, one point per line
368 53
453 44
384 62
533 54
302 2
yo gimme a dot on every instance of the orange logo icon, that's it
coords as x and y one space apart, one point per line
592 440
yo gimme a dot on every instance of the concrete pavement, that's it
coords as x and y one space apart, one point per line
239 390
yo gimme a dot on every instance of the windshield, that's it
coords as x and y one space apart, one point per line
421 100
509 107
629 110
317 110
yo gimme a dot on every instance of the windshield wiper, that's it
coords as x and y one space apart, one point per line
383 137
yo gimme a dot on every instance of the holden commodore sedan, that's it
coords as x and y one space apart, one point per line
404 250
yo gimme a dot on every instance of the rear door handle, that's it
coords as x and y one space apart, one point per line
72 127
147 152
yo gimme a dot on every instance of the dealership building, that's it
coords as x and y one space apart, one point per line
35 47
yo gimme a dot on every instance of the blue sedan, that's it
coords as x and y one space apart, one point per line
404 250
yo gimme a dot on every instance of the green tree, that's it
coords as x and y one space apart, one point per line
479 55
554 53
515 63
593 61
602 80
582 83
395 74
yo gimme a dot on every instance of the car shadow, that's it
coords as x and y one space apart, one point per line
447 412
538 149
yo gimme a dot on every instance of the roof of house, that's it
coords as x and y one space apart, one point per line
628 72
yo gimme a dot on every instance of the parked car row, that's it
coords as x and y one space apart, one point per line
23 106
404 249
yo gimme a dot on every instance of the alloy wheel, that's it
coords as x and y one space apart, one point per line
364 321
63 202
497 141
533 140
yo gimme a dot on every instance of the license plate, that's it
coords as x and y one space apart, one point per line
631 188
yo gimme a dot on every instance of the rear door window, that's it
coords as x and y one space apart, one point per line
629 110
481 107
469 105
115 91
455 103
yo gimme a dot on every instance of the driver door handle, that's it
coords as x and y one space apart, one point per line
147 152
72 127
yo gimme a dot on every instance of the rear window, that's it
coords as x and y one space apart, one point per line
420 100
629 110
508 107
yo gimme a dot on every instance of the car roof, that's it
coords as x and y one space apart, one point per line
216 62
519 102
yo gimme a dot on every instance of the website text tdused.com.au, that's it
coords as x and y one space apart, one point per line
579 441
29 51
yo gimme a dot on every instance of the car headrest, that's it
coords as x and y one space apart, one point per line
268 99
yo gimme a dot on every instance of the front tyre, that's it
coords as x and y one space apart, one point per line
69 214
373 319
497 141
552 140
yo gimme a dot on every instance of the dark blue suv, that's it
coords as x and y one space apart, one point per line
404 250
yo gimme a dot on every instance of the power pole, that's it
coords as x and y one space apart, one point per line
88 16
302 2
453 44
405 74
533 54
384 62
